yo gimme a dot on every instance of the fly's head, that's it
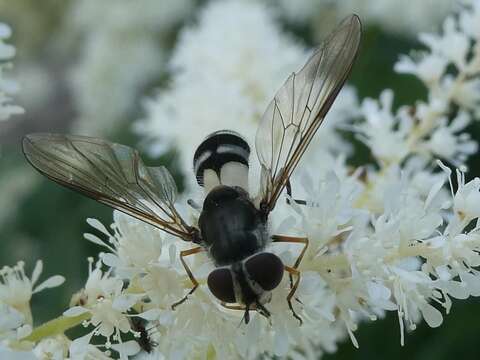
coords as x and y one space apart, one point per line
248 283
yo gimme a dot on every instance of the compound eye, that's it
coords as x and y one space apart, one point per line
220 283
266 269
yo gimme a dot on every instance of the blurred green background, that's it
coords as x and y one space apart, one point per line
40 220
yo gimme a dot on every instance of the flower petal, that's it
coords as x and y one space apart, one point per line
37 271
75 311
51 282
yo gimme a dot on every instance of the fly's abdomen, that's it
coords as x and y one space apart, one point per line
222 159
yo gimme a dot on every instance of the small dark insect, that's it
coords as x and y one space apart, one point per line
144 340
233 225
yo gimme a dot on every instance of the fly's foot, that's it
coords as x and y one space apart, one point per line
295 315
182 300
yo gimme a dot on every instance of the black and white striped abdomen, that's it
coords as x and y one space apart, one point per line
222 158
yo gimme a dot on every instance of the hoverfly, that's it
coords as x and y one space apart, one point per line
144 339
233 225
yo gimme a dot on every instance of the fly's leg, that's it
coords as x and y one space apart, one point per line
293 240
193 204
232 307
254 307
289 192
294 268
293 272
194 281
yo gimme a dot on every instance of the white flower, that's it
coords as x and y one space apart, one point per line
81 349
429 67
103 298
225 79
209 326
135 244
122 53
452 44
382 132
452 47
331 210
467 94
54 348
7 87
222 79
445 142
466 202
16 289
11 320
425 128
391 15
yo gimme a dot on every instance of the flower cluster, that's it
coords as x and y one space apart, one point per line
243 68
16 291
252 64
394 234
391 15
378 234
123 49
7 87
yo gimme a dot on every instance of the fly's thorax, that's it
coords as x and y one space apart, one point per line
231 226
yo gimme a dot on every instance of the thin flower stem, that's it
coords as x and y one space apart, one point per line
413 250
341 261
56 326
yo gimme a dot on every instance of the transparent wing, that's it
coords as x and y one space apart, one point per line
110 173
299 107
